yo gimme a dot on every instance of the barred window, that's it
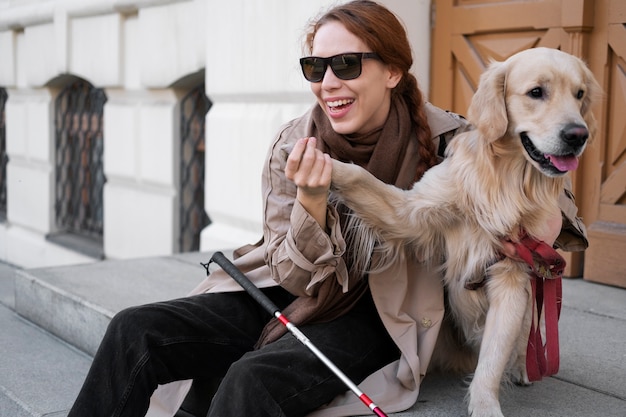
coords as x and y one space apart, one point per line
79 166
4 159
193 218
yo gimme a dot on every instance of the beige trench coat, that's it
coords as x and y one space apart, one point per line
408 296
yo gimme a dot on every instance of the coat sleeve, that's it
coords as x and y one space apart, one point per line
300 254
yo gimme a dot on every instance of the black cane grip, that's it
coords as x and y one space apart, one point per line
246 284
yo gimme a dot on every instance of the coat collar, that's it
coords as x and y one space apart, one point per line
440 121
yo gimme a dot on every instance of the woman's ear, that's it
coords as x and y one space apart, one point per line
395 75
487 111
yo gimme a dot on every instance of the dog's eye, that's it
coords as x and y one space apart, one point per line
580 94
536 92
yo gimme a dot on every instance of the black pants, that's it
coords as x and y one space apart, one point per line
212 336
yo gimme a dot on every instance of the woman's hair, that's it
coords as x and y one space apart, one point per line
385 35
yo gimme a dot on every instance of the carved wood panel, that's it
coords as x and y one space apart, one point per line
605 172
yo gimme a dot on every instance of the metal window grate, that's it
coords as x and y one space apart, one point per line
79 166
4 159
193 218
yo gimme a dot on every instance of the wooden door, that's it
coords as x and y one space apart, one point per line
467 34
604 173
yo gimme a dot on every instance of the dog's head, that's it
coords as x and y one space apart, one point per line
540 98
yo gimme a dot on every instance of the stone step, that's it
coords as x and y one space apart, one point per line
76 303
40 375
7 284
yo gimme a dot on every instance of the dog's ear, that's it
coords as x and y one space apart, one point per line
593 93
487 111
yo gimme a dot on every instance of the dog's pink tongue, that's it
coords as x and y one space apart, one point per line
564 163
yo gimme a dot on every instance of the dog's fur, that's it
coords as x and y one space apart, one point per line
532 121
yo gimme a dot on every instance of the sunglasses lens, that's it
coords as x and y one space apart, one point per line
313 68
346 66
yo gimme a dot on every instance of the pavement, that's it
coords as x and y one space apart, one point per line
52 320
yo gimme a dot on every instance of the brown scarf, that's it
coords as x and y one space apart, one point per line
381 152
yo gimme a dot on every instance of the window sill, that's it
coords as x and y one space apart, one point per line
88 246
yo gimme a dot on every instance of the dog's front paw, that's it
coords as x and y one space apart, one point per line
483 404
345 175
520 377
519 374
490 411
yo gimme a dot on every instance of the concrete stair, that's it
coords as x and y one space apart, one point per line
76 303
53 319
39 374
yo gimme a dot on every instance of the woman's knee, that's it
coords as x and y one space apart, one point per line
256 373
130 323
278 370
244 370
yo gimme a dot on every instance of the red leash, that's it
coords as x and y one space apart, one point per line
546 278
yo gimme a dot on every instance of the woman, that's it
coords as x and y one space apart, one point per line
378 328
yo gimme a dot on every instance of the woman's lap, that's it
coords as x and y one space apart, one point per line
213 336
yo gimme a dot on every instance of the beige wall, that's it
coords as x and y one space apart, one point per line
139 51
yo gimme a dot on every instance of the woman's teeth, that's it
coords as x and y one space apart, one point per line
338 103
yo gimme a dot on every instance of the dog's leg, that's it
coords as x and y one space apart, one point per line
506 291
418 215
520 374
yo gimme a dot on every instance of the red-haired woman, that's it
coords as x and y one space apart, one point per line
378 328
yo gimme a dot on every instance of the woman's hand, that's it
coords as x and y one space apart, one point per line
310 169
549 234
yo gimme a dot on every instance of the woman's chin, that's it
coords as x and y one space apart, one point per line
343 126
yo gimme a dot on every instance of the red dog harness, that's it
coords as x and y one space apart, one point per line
546 274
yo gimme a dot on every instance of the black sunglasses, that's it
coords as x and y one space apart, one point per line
345 66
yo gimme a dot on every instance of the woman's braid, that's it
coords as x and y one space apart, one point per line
413 96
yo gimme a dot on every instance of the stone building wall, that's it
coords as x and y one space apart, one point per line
146 55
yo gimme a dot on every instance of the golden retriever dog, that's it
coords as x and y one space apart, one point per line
532 120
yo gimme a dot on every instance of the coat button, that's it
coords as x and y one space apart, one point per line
426 322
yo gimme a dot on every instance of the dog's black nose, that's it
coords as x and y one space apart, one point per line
574 134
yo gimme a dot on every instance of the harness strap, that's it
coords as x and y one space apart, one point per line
546 280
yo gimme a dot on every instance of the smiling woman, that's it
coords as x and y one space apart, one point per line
368 111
